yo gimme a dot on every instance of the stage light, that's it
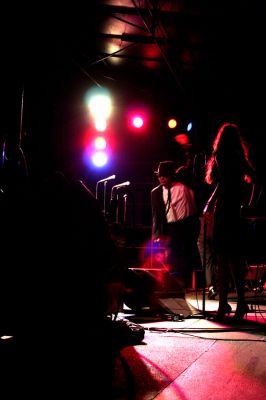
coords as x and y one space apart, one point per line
137 121
100 124
180 125
182 138
189 126
99 158
172 123
137 118
100 143
96 153
99 103
100 106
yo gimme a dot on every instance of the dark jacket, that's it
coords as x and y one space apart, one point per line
158 212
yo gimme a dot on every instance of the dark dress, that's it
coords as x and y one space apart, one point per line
229 174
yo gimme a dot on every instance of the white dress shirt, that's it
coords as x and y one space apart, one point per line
182 203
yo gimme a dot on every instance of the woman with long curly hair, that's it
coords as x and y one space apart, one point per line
228 167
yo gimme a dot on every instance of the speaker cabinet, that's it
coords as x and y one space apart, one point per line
144 288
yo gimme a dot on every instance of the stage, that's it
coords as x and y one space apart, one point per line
193 357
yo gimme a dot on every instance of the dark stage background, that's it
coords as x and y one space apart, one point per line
53 58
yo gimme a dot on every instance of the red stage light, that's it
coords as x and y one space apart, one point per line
137 121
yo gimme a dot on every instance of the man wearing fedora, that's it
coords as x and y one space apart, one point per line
175 221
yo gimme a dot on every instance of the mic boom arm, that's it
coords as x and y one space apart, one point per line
120 185
103 180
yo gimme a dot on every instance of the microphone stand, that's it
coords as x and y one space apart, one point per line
206 209
125 209
116 187
117 209
204 260
96 191
105 180
203 313
104 198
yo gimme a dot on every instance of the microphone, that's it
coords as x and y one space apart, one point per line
107 179
121 185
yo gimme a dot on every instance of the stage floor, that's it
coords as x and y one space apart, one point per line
193 357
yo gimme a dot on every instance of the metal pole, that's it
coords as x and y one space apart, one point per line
204 262
125 209
104 198
117 209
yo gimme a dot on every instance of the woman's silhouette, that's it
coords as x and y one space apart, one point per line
229 167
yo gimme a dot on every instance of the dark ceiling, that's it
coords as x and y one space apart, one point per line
196 59
190 56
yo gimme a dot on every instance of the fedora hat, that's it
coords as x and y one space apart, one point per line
166 168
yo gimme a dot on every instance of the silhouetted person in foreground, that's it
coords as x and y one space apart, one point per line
227 167
60 279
